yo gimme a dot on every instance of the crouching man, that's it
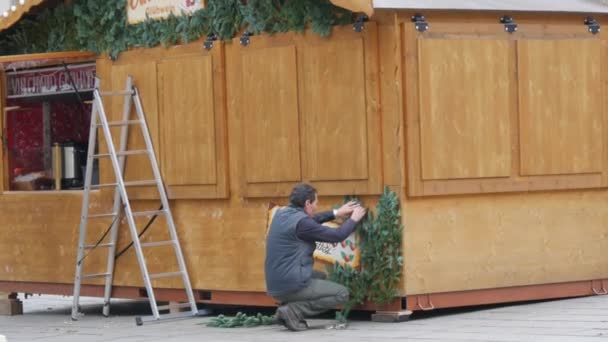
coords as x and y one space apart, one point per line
290 244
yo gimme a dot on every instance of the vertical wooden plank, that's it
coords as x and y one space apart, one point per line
334 110
412 107
188 121
270 115
561 118
144 77
465 106
392 123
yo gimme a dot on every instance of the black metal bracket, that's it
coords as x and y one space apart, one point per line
208 44
510 25
245 40
359 24
420 22
593 25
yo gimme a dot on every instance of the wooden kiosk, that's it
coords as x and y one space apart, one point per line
490 123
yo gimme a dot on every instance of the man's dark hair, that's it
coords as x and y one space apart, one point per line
301 193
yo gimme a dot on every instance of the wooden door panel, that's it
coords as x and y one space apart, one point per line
561 117
270 115
464 108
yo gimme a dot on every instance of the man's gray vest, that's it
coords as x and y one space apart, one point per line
289 260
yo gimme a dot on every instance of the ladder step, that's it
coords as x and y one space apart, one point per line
172 316
96 275
165 275
125 153
174 306
148 213
102 215
117 93
133 183
158 243
121 123
109 244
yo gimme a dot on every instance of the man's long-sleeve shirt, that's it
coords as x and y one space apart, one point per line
311 228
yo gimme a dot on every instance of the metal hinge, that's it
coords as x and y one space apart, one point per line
245 40
510 25
359 24
593 25
208 44
420 22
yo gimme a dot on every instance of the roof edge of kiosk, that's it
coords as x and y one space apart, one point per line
15 12
41 59
564 6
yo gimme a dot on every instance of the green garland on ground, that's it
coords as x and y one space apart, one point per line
101 26
240 320
381 258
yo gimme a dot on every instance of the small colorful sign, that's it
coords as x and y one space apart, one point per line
48 81
346 252
139 10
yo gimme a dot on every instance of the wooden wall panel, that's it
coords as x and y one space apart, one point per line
270 114
188 126
319 135
137 166
573 152
334 111
341 119
464 108
561 113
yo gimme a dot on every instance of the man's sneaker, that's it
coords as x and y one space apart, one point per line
290 319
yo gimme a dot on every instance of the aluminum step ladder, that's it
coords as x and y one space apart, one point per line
122 204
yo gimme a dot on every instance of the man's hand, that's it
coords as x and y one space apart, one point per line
346 209
358 213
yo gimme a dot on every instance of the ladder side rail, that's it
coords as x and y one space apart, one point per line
165 202
85 210
124 135
128 211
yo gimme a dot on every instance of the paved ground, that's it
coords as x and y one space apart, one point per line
47 319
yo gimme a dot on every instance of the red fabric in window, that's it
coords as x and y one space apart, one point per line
25 138
70 122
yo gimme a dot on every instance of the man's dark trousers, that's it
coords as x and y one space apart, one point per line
319 296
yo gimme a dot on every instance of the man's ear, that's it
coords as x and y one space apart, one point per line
307 203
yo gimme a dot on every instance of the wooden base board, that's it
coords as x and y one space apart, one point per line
391 316
416 302
431 301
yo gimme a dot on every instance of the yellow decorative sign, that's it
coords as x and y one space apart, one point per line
138 10
346 252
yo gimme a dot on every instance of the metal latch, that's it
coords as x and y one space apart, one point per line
510 25
359 24
593 25
245 38
420 22
208 44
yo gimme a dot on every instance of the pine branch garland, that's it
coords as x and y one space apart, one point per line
101 26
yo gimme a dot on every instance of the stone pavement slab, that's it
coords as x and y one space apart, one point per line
47 319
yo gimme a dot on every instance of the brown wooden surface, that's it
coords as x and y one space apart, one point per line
464 108
451 243
490 153
188 129
270 115
13 17
561 111
136 166
337 155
